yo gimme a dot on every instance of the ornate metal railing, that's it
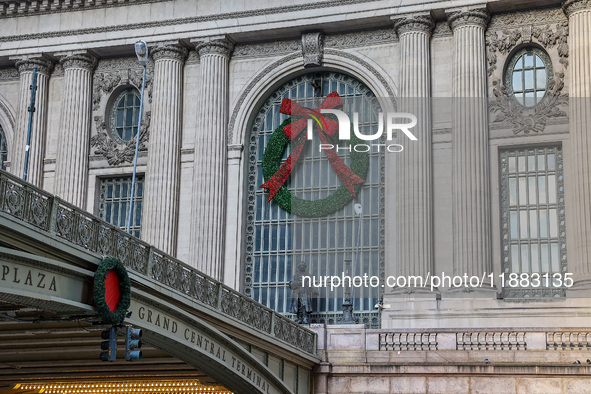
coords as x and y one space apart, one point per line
58 218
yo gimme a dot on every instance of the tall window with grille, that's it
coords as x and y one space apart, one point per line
3 148
276 240
533 221
115 197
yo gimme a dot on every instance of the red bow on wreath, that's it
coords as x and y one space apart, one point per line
327 128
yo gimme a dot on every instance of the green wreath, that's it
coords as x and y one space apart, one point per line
307 208
104 312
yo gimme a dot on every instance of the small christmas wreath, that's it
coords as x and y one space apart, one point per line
112 290
307 208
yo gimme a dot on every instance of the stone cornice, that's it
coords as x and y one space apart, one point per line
571 6
472 17
214 46
169 51
79 60
43 64
418 23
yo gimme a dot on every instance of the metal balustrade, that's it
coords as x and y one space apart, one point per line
54 216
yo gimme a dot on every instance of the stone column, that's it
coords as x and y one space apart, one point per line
71 166
578 174
161 202
414 219
39 125
210 168
233 239
470 148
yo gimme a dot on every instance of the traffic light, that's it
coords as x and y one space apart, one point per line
133 343
110 344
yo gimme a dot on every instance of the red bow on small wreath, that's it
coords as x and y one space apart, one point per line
293 131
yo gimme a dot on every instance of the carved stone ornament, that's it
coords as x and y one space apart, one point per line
85 61
570 6
174 52
104 83
118 153
221 46
548 36
525 120
419 23
472 17
44 65
313 49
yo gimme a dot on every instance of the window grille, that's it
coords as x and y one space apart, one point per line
277 241
114 202
533 218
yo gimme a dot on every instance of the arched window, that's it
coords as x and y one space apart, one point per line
528 75
3 148
277 241
124 115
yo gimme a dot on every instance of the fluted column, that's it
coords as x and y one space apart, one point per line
414 219
470 148
579 171
161 202
210 171
39 124
71 167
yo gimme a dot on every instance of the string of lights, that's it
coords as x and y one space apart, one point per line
155 387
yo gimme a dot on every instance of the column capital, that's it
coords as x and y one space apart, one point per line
172 51
413 23
78 60
478 17
24 64
217 45
571 6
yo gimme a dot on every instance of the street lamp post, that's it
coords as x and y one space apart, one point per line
141 51
347 306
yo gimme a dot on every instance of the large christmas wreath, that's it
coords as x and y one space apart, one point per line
291 130
112 291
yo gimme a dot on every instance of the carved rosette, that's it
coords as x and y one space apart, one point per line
571 6
465 18
44 65
419 23
84 61
222 47
173 52
313 49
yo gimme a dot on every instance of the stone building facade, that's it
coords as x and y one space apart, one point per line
497 187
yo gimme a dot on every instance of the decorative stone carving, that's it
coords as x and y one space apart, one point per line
502 42
118 153
441 29
8 73
312 49
43 65
218 46
525 120
360 39
526 18
85 61
267 48
103 84
176 52
472 17
421 23
570 6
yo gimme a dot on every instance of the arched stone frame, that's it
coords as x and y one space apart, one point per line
7 122
244 110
